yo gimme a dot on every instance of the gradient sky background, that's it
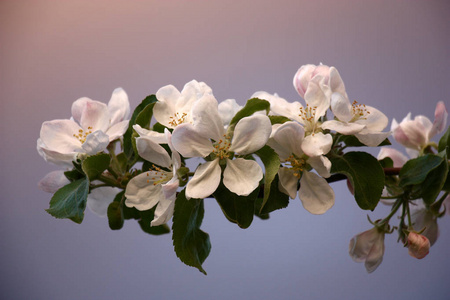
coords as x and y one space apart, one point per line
393 55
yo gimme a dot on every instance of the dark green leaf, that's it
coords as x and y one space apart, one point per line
115 216
158 127
444 142
252 106
74 175
237 209
278 119
352 141
276 200
271 163
192 245
365 174
128 148
415 171
69 201
145 223
94 165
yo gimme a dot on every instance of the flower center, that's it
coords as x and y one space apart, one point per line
308 116
359 111
82 135
158 176
178 119
295 163
221 147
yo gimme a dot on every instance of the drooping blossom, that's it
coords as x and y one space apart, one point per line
368 247
92 127
424 219
174 107
418 245
157 186
416 134
206 137
315 193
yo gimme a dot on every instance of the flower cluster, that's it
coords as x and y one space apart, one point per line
252 160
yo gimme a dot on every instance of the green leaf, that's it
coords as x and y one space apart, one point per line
127 145
271 163
146 218
365 174
426 175
276 199
352 141
278 119
237 209
253 105
115 216
192 245
444 142
69 201
93 166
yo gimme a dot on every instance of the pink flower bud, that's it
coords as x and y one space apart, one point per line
418 245
308 72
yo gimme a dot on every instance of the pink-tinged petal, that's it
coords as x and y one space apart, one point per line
397 157
341 127
361 244
192 91
95 142
95 116
440 119
288 182
55 157
315 97
321 164
418 245
205 181
117 130
336 82
142 192
289 137
422 218
279 106
157 137
165 108
341 107
316 194
251 134
302 78
53 181
206 118
118 106
413 134
153 152
374 119
242 176
372 139
447 205
78 107
317 144
58 135
394 124
99 199
190 143
375 256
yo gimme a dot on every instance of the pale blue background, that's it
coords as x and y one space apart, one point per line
393 55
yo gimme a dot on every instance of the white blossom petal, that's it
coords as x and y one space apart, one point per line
153 152
205 181
117 130
251 134
95 142
155 136
58 135
317 144
316 194
374 119
142 193
341 107
289 137
95 116
99 199
372 139
190 143
397 157
279 106
242 176
288 181
53 181
206 118
118 106
341 127
440 119
316 98
321 164
227 109
78 107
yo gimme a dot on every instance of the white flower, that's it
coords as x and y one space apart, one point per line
416 134
227 109
363 121
315 193
157 186
368 247
207 137
92 127
174 108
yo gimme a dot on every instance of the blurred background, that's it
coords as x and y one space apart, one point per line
393 55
